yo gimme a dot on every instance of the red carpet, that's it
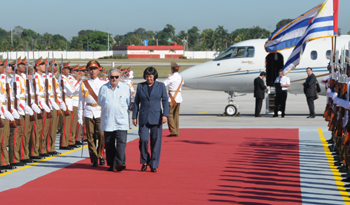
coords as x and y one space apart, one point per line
202 166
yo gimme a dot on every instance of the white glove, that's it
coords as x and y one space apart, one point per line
54 105
15 113
80 121
36 108
63 106
28 110
45 107
7 114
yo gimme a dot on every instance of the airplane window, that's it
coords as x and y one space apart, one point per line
328 54
250 52
313 55
226 54
239 53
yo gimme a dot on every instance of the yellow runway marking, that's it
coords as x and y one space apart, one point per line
337 175
43 160
203 112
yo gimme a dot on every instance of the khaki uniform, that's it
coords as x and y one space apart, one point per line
4 132
65 121
173 81
89 112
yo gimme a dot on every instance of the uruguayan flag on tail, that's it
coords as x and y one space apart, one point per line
321 26
289 35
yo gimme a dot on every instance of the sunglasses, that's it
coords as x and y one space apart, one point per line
116 77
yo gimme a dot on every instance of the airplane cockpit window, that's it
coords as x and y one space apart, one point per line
313 55
328 54
250 52
226 54
239 53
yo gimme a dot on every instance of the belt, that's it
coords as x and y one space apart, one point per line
5 103
75 96
173 91
92 104
32 97
42 96
51 96
22 98
68 97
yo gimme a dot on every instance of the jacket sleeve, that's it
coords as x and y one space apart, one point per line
135 111
262 85
165 101
310 82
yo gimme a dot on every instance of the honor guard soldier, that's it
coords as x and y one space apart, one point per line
128 77
37 150
74 80
28 110
175 82
16 143
65 121
5 117
89 112
58 106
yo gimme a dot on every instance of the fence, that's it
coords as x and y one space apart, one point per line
96 54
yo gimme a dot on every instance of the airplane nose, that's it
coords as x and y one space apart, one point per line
189 76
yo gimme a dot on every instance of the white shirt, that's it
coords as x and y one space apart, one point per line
173 81
84 109
68 90
284 80
40 89
128 80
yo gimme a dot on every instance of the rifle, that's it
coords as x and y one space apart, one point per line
47 94
8 93
15 102
38 115
28 100
66 113
59 111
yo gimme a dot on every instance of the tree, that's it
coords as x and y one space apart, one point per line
349 33
84 32
151 51
207 39
172 51
193 36
281 23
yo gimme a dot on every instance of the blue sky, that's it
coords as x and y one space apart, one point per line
68 17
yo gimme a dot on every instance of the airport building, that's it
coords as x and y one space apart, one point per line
172 51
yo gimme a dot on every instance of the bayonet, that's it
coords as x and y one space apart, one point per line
28 100
47 94
14 87
66 113
59 112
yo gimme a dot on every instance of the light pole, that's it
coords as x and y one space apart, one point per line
107 42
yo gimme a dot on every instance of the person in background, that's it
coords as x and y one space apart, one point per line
310 91
259 92
282 83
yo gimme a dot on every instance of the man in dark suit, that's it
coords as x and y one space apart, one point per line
259 92
150 97
310 91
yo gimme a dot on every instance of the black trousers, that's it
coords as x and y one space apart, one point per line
310 103
280 99
258 105
115 154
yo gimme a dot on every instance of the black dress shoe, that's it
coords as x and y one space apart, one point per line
54 153
45 155
120 167
153 169
66 148
95 164
19 164
275 116
102 161
111 168
74 146
144 167
79 143
27 161
35 157
8 167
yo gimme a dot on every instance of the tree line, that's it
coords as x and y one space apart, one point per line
193 39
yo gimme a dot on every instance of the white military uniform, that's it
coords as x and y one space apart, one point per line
128 80
88 107
40 90
173 81
69 90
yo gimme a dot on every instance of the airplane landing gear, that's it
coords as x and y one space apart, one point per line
232 108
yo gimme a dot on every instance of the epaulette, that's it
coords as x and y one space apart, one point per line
36 76
17 78
3 77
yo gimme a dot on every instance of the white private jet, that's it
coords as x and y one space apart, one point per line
235 69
